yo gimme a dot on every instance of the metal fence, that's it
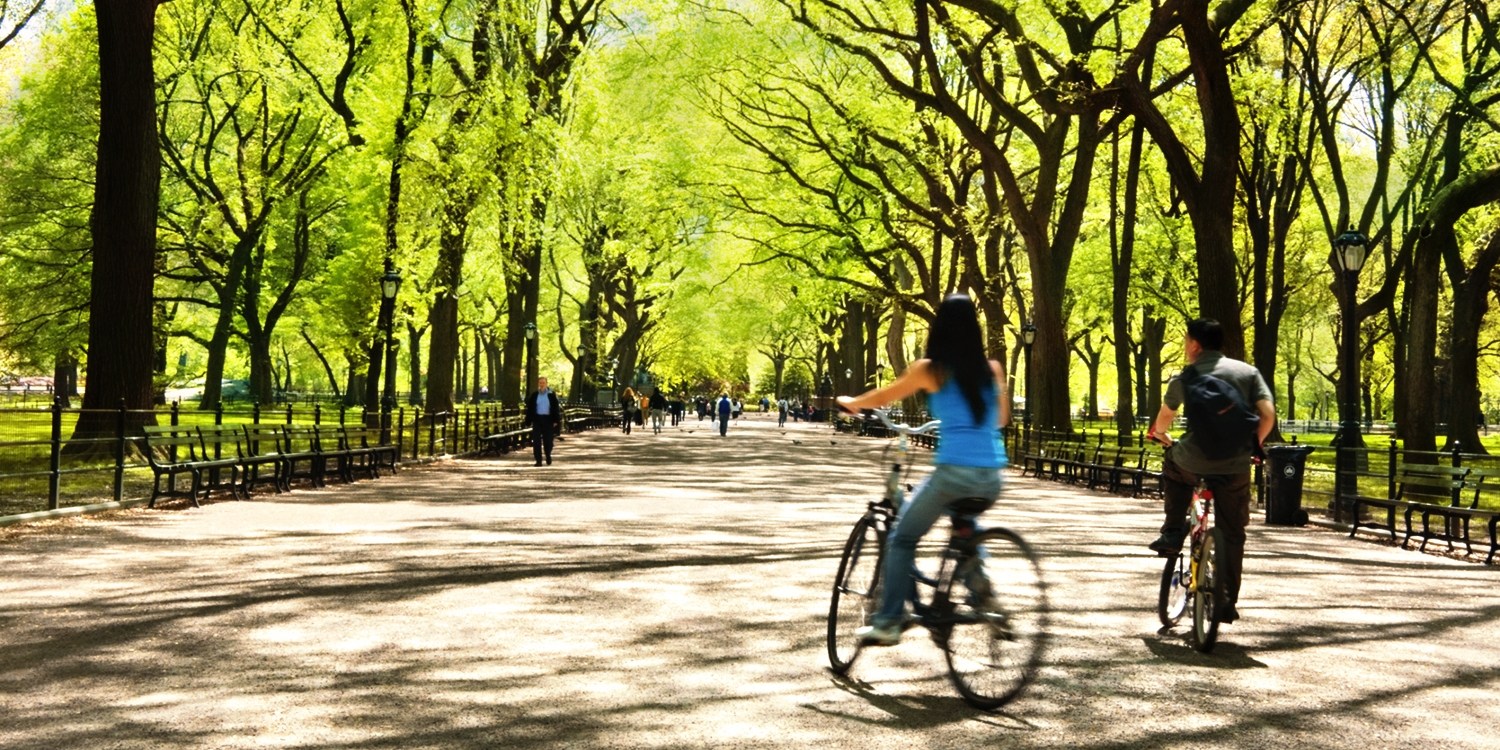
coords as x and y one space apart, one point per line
1376 465
45 468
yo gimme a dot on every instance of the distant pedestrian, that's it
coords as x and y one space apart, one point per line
658 411
781 409
726 408
544 416
629 404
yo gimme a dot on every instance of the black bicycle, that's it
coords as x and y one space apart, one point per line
986 600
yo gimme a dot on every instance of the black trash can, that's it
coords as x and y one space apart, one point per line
1285 466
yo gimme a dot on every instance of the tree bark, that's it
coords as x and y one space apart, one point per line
123 222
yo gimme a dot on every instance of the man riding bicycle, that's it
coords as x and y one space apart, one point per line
1224 468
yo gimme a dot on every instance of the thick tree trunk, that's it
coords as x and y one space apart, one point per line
442 355
1419 427
1470 303
123 221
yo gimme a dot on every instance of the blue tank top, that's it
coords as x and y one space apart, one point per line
962 441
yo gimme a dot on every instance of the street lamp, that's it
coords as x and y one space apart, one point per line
390 284
879 374
1028 337
531 372
1348 258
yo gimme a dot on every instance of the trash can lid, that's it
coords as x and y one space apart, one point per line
1287 449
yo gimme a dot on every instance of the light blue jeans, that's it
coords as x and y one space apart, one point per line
947 484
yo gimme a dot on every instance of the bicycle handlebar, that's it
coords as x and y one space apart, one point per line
885 419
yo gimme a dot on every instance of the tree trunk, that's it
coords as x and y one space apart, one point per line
123 222
1124 271
1419 428
1470 303
442 354
414 357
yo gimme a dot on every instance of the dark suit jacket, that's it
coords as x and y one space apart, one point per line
554 407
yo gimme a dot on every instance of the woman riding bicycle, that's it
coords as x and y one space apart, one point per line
967 393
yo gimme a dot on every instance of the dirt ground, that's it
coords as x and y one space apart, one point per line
669 591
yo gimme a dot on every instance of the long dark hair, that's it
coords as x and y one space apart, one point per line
956 348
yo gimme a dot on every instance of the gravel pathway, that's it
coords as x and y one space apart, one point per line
670 592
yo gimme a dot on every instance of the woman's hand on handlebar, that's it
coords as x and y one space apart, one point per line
846 404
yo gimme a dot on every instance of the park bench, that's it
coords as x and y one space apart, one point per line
175 450
1461 506
345 450
1108 465
266 443
508 434
225 441
300 456
370 454
1066 459
331 458
1423 482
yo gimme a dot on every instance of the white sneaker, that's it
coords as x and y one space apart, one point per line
870 635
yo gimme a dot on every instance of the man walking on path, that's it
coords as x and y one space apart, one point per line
781 409
725 409
658 410
544 414
1225 468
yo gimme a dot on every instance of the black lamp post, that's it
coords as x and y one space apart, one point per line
1348 258
879 374
1028 337
531 372
390 284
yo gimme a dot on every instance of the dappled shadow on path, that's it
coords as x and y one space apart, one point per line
670 591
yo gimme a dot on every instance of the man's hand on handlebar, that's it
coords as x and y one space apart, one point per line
1161 438
845 402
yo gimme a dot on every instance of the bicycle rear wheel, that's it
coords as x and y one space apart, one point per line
1173 601
856 593
995 643
1208 592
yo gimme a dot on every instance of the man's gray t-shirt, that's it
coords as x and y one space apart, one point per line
1250 384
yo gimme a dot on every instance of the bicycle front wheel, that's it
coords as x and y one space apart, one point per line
997 639
1173 601
856 593
1208 591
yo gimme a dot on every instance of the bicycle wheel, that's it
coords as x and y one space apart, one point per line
1173 601
856 593
995 642
1208 592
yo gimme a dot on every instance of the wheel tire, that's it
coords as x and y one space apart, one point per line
1173 601
856 593
1209 591
994 652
